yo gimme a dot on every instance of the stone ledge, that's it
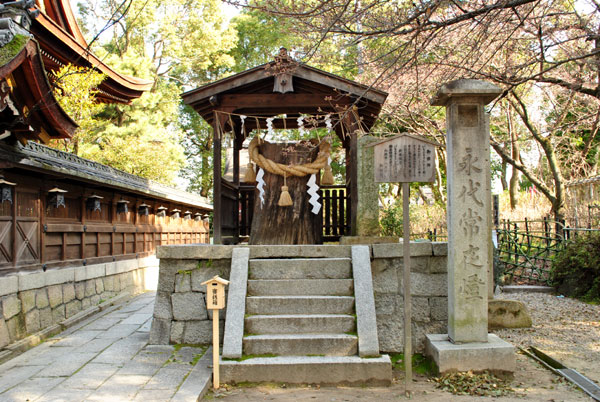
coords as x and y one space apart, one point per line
417 249
90 272
217 252
494 355
8 285
196 384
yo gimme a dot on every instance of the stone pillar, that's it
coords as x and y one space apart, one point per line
468 346
367 216
469 206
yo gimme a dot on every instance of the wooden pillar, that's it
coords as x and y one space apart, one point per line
238 140
217 212
352 126
83 211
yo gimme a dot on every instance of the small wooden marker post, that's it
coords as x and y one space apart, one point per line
215 301
404 159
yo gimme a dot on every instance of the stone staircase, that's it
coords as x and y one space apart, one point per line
300 323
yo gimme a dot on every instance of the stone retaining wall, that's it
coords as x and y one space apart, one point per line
180 314
32 302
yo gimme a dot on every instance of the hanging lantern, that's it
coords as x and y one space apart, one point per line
162 211
175 213
187 215
144 209
6 190
197 216
56 197
205 218
93 203
122 207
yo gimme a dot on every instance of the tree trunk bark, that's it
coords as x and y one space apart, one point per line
296 224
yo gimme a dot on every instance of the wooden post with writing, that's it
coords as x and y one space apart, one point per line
215 301
405 158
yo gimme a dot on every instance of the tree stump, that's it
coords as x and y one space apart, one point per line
296 224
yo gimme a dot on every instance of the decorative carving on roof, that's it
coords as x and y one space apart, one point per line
34 155
22 12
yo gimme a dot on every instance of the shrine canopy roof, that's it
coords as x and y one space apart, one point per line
285 86
62 43
28 108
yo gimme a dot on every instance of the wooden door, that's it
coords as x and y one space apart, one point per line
27 228
6 234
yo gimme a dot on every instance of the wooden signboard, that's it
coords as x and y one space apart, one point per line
404 159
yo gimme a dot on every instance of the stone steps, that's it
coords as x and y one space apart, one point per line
300 324
299 287
277 305
300 268
301 344
302 310
350 370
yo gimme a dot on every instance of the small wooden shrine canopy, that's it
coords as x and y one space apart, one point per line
281 87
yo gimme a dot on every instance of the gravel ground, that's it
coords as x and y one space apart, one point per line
566 329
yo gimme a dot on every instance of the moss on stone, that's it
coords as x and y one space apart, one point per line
12 49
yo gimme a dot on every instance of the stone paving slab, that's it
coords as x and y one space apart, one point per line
106 358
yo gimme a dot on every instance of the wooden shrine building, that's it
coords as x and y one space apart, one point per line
73 233
278 94
57 209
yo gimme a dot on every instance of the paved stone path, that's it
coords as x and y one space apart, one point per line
105 358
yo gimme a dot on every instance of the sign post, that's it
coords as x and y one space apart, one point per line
215 301
404 159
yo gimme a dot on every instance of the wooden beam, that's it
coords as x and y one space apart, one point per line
288 101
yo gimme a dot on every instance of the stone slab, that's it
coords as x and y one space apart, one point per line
300 324
301 344
494 355
300 268
351 370
528 289
59 276
236 304
366 321
8 285
188 306
197 382
299 305
199 252
417 249
298 287
355 240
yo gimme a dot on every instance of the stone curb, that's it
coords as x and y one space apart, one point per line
16 348
198 381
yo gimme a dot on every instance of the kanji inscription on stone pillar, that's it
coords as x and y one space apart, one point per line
469 206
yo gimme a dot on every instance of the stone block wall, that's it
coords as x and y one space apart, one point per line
429 291
32 302
180 314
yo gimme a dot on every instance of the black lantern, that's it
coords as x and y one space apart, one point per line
197 216
162 211
175 213
144 209
6 190
56 197
93 203
187 215
122 207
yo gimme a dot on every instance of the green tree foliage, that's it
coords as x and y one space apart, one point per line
576 269
170 43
